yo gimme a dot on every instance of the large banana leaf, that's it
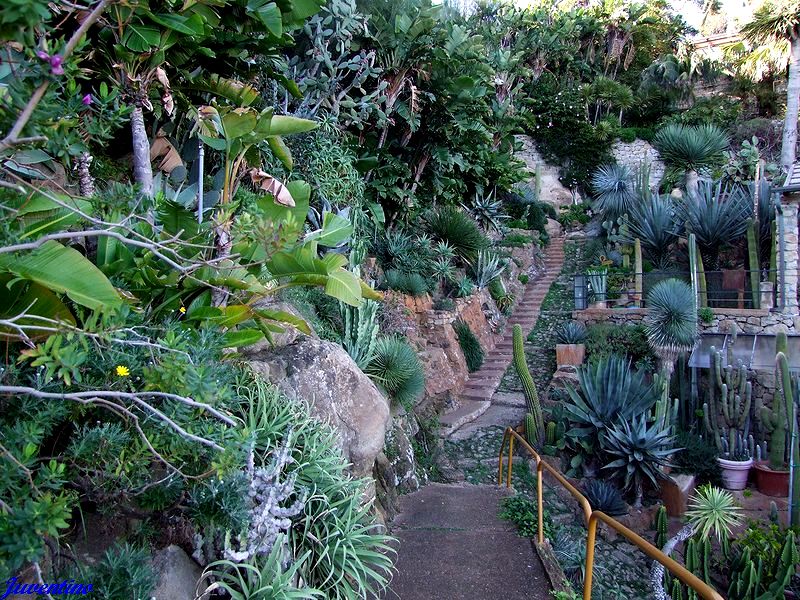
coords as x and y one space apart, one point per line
64 270
32 299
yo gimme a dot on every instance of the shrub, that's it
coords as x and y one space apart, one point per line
605 497
444 304
698 457
123 572
470 346
503 299
522 511
464 287
396 368
706 314
603 340
451 225
523 278
515 240
574 215
412 284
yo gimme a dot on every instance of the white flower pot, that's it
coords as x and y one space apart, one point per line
734 473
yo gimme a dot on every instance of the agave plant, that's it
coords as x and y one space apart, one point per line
464 287
487 211
610 390
451 225
442 268
614 190
571 333
691 149
671 322
488 267
717 215
642 450
605 497
653 222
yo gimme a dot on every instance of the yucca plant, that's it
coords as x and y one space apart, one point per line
396 368
717 215
614 192
488 267
713 511
691 149
642 450
451 225
464 287
487 210
653 222
671 322
605 497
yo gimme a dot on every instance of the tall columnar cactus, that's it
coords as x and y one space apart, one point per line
730 393
701 281
754 265
698 557
666 413
775 420
535 434
637 269
550 433
662 532
773 255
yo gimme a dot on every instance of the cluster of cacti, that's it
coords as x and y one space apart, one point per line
360 331
754 265
637 269
677 590
698 556
727 413
534 421
775 420
748 573
666 412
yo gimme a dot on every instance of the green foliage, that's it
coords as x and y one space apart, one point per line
487 211
766 560
413 284
726 413
605 497
713 511
574 215
451 225
470 345
360 332
603 340
523 278
488 267
515 240
691 148
662 527
652 221
464 287
522 511
504 300
705 314
614 191
396 368
697 456
571 332
671 323
123 571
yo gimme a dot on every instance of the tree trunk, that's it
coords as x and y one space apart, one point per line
85 179
789 145
692 183
142 171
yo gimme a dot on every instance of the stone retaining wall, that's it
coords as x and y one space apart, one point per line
632 155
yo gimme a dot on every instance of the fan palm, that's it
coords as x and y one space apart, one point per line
691 149
613 188
671 323
774 22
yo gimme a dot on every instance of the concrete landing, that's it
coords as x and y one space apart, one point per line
453 546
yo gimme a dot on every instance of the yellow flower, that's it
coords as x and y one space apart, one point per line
183 310
122 371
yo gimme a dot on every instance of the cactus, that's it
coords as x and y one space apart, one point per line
748 572
637 270
666 413
550 434
773 256
677 590
752 254
535 433
735 395
773 513
701 281
775 420
661 527
698 557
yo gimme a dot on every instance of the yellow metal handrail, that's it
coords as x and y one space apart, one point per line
591 517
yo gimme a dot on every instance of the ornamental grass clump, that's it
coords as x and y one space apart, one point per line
396 368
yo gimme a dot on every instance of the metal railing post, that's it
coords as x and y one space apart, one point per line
591 536
510 460
540 499
500 460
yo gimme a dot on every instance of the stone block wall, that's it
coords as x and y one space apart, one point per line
634 153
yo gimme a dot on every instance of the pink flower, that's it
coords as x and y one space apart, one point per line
87 100
55 64
42 55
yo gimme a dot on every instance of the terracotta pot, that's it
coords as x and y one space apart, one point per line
570 354
734 473
771 482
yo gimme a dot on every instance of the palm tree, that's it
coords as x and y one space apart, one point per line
691 149
774 22
671 325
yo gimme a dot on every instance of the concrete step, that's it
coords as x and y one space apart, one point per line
468 411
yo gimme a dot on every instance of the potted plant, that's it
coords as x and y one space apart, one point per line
570 349
598 279
772 476
726 415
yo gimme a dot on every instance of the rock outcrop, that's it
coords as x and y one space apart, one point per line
337 391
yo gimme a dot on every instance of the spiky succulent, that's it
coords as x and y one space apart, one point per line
691 148
713 510
464 286
641 451
605 497
396 368
671 322
451 225
653 223
488 267
571 332
487 211
614 192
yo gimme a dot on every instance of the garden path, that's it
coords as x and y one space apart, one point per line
453 546
478 395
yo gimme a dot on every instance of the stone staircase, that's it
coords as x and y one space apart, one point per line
476 397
